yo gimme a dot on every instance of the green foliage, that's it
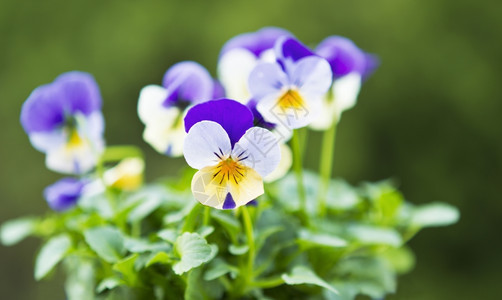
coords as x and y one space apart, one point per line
303 275
51 254
157 243
14 231
107 242
193 250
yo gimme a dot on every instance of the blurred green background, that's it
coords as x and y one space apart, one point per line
429 117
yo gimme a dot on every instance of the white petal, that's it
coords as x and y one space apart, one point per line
326 116
268 56
267 79
312 76
234 68
284 165
345 91
150 102
167 134
204 142
258 149
45 141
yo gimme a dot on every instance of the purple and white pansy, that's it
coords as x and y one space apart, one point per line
162 108
63 119
241 54
289 91
232 157
350 66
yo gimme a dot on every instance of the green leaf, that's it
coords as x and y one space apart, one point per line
198 289
168 235
142 245
372 235
228 222
107 242
51 254
193 251
80 279
205 230
159 258
341 195
303 275
435 214
218 268
14 231
401 259
238 250
146 207
263 235
308 240
126 268
109 284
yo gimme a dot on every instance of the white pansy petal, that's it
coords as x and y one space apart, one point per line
312 76
284 165
345 91
150 102
166 135
204 142
326 116
45 141
268 56
227 194
267 79
234 68
258 149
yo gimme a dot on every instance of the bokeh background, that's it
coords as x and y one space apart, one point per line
429 117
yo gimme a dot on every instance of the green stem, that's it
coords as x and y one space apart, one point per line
207 215
248 227
298 168
268 283
326 166
191 218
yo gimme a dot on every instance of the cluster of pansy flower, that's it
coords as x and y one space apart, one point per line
63 119
271 84
234 131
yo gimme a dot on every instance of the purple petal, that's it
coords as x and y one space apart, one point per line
259 121
233 116
345 57
252 203
64 194
229 202
187 81
43 111
289 48
80 92
256 42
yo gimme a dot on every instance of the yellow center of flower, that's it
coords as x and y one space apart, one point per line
74 139
291 100
229 170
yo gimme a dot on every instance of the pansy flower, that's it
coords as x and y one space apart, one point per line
231 155
64 193
241 54
162 108
350 66
289 91
126 175
63 119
